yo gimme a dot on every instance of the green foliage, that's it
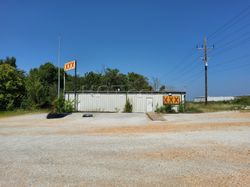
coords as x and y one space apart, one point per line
238 104
138 82
164 109
162 88
92 80
59 105
41 85
114 79
181 108
128 107
12 89
38 88
69 106
109 80
192 107
9 60
244 100
63 106
17 112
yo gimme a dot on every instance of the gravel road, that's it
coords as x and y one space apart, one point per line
211 149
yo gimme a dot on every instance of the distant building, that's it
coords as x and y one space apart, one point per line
216 98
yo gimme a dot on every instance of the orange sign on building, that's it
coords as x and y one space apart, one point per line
171 100
70 65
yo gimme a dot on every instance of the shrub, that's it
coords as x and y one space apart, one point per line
128 106
244 100
181 108
165 109
59 105
62 106
69 106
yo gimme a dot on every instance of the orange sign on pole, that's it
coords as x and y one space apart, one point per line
171 100
70 65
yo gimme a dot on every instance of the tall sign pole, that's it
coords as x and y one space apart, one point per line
205 59
75 84
71 65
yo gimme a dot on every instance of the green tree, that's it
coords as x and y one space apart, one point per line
162 88
114 79
92 81
138 82
110 79
12 88
9 60
41 85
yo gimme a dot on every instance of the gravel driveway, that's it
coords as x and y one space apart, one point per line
211 149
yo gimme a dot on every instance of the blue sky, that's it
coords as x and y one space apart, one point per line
156 38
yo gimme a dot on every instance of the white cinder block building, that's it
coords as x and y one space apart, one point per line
115 101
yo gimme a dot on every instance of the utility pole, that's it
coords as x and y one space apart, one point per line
205 59
58 64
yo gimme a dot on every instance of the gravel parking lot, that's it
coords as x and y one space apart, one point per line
211 149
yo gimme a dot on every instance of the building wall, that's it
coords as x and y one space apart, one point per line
115 102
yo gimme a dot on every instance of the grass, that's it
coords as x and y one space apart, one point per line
237 104
210 107
19 112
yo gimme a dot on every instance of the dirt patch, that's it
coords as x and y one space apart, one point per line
216 152
230 115
164 128
228 155
39 129
236 179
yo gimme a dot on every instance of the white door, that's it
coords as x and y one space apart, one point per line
149 104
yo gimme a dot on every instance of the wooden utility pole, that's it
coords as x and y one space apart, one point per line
205 59
205 63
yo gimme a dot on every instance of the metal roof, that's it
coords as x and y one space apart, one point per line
129 92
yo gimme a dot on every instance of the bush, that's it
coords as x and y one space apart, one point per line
69 106
244 100
128 106
62 106
181 108
165 109
193 109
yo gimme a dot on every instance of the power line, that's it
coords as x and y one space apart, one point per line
183 70
237 39
225 63
220 40
231 22
226 48
181 64
182 74
231 68
195 78
192 77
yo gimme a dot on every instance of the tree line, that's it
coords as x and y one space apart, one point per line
38 87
